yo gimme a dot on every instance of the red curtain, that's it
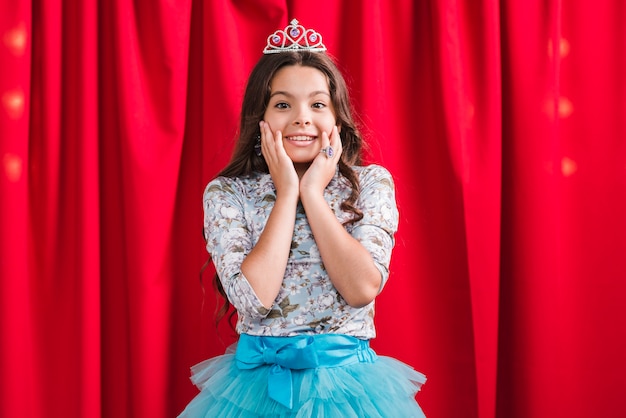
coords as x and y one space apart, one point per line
502 122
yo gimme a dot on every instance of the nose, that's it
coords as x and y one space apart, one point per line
303 118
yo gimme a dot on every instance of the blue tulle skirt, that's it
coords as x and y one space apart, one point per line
373 386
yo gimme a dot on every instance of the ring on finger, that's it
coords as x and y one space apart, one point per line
328 151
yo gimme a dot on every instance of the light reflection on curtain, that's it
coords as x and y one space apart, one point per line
502 124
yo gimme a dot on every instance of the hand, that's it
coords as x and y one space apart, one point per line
322 169
278 162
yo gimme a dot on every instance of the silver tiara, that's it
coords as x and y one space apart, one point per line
294 38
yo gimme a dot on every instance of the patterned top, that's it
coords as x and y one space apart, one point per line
235 213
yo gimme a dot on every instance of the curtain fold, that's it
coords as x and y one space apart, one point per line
470 80
18 335
502 124
562 280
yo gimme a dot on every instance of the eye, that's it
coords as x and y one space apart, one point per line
319 105
281 105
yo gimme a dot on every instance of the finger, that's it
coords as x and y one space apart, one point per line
278 142
266 138
324 145
262 129
325 140
335 142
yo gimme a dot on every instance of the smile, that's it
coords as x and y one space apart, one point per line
301 138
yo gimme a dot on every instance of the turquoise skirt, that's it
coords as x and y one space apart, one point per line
327 375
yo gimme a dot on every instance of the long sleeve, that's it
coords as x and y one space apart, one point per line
380 217
229 239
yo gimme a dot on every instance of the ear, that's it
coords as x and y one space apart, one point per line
339 128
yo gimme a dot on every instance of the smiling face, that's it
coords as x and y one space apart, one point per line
300 106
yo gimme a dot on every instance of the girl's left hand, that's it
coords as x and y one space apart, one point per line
322 169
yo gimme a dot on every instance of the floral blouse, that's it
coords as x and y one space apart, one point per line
235 213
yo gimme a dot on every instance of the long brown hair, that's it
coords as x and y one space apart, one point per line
245 161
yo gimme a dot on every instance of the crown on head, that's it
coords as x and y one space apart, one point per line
294 38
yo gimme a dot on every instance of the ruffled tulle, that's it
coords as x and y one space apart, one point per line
385 388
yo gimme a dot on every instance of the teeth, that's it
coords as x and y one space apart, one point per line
301 138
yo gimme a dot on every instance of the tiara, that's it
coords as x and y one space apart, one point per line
294 38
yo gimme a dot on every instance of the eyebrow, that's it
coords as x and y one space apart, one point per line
313 93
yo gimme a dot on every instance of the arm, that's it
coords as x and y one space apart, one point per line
251 275
265 265
228 239
357 263
349 265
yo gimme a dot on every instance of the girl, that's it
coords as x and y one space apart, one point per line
301 236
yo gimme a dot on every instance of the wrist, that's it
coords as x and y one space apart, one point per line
287 196
308 195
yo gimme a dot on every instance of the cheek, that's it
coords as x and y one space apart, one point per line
330 125
274 119
266 116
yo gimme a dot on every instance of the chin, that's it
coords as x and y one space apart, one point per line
299 158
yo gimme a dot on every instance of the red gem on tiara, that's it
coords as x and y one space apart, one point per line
294 38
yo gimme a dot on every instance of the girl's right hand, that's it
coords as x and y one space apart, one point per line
278 162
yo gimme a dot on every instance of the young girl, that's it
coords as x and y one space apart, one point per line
301 237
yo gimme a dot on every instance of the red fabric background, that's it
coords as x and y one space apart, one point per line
502 123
